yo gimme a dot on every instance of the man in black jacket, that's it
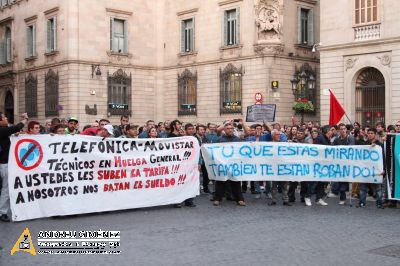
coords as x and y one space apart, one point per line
5 133
323 139
234 185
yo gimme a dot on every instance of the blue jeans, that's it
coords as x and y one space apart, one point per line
364 190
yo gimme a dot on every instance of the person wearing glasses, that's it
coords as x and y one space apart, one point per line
397 127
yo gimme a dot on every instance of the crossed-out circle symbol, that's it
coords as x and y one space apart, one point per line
28 154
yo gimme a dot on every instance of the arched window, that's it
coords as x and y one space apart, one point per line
187 93
370 97
51 93
231 90
31 95
119 93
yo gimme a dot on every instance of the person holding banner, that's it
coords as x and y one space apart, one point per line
300 138
343 139
189 131
372 140
5 133
284 185
234 185
200 135
323 139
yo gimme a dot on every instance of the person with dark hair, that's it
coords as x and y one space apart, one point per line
345 139
391 129
211 135
200 135
335 132
380 132
189 131
372 140
176 129
300 138
5 133
220 186
284 185
162 132
153 133
59 129
356 125
72 127
119 130
323 139
359 136
131 131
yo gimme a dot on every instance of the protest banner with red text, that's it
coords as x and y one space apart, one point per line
63 175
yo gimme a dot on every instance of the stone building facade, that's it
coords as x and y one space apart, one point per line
199 61
362 63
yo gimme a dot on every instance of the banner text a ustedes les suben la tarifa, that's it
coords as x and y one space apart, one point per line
63 175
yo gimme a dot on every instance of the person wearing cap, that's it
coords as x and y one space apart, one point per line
106 131
72 127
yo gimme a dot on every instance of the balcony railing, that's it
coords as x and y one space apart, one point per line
367 32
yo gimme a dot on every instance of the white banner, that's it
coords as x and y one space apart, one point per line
284 161
62 175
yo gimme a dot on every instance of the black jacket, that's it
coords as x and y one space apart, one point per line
5 133
322 140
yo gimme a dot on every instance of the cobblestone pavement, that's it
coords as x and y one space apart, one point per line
226 235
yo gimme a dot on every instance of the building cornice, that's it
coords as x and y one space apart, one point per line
185 12
117 11
177 66
31 18
227 2
311 2
7 19
53 10
359 44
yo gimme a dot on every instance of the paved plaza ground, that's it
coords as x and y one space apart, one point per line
257 234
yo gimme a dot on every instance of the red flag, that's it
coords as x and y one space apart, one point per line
336 110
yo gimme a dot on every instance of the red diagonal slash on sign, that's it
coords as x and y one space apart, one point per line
31 149
20 162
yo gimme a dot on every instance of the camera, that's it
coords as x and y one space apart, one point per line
236 120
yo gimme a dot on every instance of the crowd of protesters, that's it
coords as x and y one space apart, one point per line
231 130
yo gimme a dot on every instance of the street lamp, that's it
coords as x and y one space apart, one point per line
303 88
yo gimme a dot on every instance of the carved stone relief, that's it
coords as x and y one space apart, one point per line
268 20
350 62
385 59
263 49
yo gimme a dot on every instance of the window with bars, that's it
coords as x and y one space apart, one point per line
30 41
31 95
305 23
187 35
51 93
119 35
366 11
119 93
231 90
231 26
51 37
187 93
